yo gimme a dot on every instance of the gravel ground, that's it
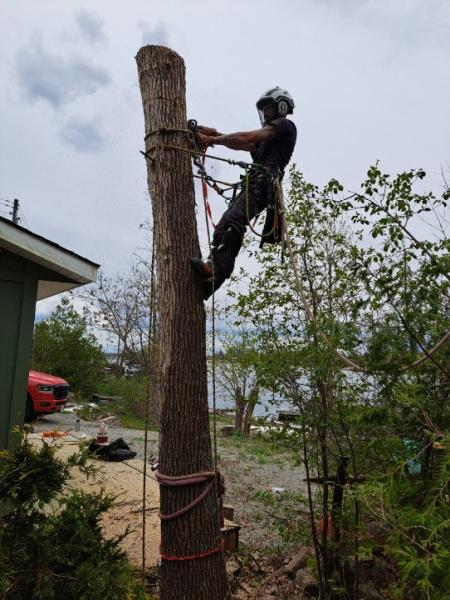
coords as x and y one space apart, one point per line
245 473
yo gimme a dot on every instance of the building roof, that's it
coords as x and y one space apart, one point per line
73 270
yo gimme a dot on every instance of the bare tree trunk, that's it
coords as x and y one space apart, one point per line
252 401
240 404
185 446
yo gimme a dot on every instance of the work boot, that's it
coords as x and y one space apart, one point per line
204 269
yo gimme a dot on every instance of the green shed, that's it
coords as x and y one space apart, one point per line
31 268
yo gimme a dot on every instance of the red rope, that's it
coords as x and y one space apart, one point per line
205 195
193 556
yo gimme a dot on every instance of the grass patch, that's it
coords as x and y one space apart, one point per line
132 393
222 419
132 422
287 512
259 448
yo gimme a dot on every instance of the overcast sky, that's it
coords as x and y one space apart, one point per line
370 79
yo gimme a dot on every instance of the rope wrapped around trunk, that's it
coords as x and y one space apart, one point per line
192 479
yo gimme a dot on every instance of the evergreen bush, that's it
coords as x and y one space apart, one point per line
51 541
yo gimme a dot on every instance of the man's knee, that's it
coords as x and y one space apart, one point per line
225 250
232 239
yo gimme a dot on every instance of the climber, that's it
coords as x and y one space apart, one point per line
271 148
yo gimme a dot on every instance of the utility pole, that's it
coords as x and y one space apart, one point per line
192 561
15 212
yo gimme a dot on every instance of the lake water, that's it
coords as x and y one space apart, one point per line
263 408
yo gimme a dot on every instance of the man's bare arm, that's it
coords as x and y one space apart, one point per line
208 130
244 140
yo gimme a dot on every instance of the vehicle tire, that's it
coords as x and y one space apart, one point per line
30 415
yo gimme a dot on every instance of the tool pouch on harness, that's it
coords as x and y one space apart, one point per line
273 225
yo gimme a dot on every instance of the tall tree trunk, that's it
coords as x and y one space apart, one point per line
185 445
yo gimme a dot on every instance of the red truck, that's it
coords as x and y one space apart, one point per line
45 394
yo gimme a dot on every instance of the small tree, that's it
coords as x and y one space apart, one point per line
64 346
236 372
121 306
381 301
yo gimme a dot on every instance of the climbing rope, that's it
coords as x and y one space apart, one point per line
150 358
220 489
184 480
213 323
218 548
207 180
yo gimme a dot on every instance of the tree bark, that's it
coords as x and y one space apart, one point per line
251 402
240 405
185 444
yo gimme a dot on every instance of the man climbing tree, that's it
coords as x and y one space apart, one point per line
271 148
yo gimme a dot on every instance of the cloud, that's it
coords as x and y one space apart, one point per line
83 135
158 35
46 76
90 26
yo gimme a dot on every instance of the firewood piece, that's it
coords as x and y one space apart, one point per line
297 562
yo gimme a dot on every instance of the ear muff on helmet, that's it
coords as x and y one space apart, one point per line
282 108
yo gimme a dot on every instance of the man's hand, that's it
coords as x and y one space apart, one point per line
203 140
245 140
207 130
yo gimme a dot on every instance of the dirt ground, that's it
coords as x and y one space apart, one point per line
248 472
265 566
124 481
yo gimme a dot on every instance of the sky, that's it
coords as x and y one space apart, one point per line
370 80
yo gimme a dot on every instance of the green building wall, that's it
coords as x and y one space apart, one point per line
18 291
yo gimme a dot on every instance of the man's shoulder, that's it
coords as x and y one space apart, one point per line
283 125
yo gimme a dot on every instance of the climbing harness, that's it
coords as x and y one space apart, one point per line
274 230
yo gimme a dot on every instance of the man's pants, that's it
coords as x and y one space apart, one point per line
229 233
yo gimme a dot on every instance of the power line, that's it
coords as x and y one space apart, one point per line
13 210
6 202
23 218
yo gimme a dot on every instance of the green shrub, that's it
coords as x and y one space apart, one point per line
415 511
51 544
132 392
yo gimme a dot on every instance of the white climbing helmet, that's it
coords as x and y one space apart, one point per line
282 99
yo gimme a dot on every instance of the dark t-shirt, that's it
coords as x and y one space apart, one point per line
277 152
